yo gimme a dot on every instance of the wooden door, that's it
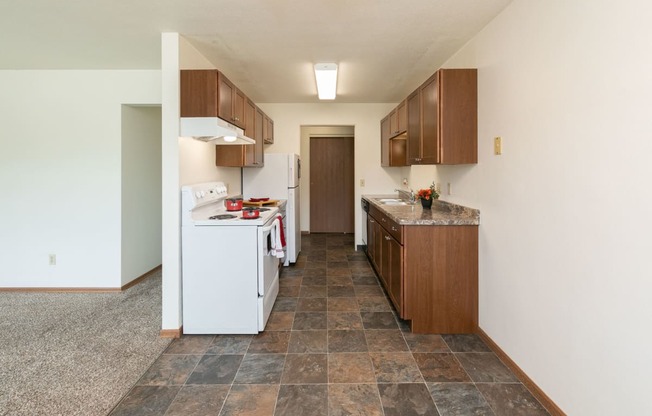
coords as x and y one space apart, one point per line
331 185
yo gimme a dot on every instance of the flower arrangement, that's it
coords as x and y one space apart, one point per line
428 193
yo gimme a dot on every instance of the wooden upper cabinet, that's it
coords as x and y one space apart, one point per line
268 130
199 93
384 141
231 102
398 120
458 114
414 127
259 131
430 121
245 155
443 119
208 93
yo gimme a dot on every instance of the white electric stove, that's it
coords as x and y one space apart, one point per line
229 271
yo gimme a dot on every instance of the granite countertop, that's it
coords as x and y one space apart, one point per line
441 213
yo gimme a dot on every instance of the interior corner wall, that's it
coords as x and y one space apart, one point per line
141 191
60 174
565 210
365 118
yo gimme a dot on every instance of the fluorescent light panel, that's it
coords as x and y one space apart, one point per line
326 75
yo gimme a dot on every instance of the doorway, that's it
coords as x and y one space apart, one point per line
331 185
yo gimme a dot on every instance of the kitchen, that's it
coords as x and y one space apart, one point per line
551 291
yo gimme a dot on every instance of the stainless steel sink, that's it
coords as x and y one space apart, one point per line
389 201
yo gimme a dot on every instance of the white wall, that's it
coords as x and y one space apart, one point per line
565 278
365 119
141 190
60 156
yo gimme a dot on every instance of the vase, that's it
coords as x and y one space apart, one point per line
426 203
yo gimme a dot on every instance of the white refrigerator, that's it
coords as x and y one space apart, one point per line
279 179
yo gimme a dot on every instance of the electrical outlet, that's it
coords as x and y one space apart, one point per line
450 189
53 259
438 187
498 145
362 183
405 182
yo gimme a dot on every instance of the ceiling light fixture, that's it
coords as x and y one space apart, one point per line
326 76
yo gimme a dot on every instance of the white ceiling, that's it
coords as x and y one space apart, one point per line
384 48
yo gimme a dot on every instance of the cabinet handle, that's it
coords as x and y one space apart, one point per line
372 221
388 238
394 228
383 220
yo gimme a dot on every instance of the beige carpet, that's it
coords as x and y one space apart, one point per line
76 353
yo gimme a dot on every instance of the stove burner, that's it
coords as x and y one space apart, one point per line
222 217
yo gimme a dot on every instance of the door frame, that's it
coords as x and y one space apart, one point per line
308 131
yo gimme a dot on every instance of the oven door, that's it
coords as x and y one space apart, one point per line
268 272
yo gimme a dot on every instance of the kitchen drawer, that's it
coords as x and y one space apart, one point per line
387 223
393 228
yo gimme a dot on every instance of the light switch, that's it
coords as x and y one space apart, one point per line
498 145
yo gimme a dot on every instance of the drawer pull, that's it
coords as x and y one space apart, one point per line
388 238
394 228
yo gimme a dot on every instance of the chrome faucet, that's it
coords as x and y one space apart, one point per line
409 196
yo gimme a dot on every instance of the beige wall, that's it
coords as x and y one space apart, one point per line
565 278
141 191
60 153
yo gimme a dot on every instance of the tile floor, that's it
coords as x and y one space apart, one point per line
332 346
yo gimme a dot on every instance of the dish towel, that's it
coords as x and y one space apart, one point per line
277 246
280 227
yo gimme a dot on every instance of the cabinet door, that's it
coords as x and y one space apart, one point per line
458 102
385 259
378 246
393 123
401 117
259 149
414 128
430 121
239 103
198 93
371 239
225 96
396 274
268 130
384 141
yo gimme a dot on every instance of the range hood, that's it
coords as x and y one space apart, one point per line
213 130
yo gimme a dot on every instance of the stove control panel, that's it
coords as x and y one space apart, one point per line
195 196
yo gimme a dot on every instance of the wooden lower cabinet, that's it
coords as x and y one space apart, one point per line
430 273
440 277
